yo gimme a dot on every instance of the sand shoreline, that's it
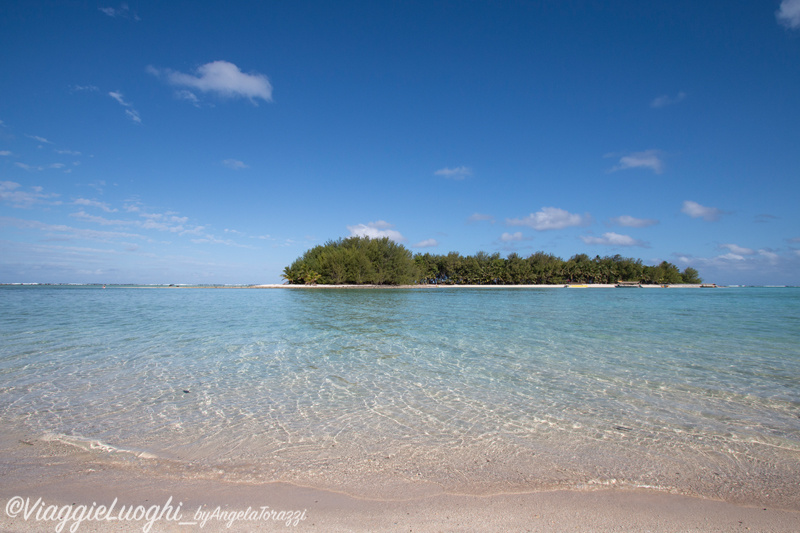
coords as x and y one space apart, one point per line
56 474
306 509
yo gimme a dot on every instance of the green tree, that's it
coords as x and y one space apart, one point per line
690 275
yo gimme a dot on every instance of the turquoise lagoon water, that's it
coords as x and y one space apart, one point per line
386 393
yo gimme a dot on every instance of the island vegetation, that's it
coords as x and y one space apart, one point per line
366 261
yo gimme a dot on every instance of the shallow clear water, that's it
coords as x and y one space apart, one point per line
386 392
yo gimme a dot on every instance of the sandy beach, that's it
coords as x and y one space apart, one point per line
45 474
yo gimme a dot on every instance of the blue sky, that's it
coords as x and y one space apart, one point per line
214 142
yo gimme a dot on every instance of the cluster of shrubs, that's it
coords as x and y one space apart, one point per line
362 260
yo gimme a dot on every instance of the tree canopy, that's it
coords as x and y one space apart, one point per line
354 261
361 260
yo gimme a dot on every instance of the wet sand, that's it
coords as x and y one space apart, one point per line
53 473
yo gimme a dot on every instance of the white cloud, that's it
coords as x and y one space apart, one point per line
167 222
509 237
550 218
788 14
40 139
68 231
731 257
31 168
480 217
771 256
665 100
221 78
738 250
94 203
5 152
613 239
130 111
733 265
376 230
632 222
118 97
11 193
235 164
695 210
88 88
134 115
647 159
123 11
211 239
427 243
189 96
86 217
67 152
458 173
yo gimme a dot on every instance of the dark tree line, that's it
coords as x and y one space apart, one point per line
361 260
545 269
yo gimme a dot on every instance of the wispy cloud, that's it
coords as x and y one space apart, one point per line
211 239
86 88
123 11
11 192
427 243
168 221
86 217
32 168
788 14
613 239
736 249
221 78
457 173
480 217
235 164
764 217
5 152
189 96
37 138
129 110
512 237
94 203
376 230
771 256
647 159
695 210
764 263
665 100
68 231
632 222
550 218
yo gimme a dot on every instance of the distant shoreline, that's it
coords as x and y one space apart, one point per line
432 286
418 286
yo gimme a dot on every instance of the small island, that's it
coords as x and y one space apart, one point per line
367 261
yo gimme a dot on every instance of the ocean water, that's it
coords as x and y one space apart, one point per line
391 393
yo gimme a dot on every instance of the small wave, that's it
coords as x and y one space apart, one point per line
95 445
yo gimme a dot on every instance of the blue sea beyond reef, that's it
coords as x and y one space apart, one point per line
392 392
